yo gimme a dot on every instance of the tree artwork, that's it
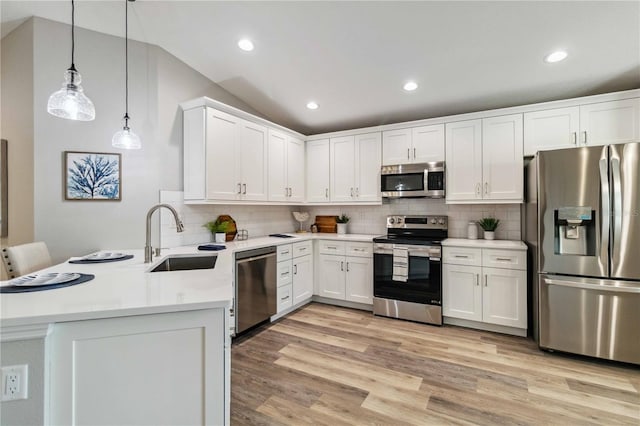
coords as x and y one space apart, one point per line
92 176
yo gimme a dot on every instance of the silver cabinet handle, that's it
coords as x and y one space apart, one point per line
504 259
414 153
478 189
347 266
284 273
408 154
285 298
295 269
357 192
352 192
326 193
357 249
486 187
575 138
477 279
284 252
302 248
239 188
332 247
290 192
244 188
286 192
584 137
485 280
342 266
461 257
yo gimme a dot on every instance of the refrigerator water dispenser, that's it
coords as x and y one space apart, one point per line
575 231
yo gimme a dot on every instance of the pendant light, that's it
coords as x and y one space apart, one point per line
70 102
125 138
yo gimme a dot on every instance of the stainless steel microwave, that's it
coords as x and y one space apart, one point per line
413 180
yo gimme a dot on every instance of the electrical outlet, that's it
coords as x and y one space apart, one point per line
14 382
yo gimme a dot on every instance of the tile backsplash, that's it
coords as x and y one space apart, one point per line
264 220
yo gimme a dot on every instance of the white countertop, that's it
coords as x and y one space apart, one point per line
490 244
126 288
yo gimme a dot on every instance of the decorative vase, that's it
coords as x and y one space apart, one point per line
220 237
489 235
472 231
342 228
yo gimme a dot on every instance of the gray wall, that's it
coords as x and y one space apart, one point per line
158 82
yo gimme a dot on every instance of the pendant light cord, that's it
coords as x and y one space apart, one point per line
73 37
126 62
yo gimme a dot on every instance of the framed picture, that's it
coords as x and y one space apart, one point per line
92 176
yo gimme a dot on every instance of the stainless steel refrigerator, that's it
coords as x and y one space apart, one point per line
586 205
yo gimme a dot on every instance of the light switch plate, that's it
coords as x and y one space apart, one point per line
14 382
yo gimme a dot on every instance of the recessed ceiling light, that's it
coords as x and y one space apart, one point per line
556 56
312 105
246 45
410 86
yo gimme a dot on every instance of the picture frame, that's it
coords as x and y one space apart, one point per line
92 176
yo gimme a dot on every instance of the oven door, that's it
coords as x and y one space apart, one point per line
424 276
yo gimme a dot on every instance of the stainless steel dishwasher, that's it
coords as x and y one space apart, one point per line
256 286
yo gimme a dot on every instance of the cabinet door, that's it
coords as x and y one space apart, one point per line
464 160
277 167
253 161
295 169
504 298
367 167
461 292
502 158
359 280
331 276
396 147
343 157
194 153
428 143
318 171
610 122
302 278
551 129
222 135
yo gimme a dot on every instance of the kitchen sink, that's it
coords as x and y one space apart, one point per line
185 263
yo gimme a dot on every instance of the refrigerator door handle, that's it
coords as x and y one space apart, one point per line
605 210
617 206
589 286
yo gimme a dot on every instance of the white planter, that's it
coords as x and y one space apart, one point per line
220 237
489 235
342 228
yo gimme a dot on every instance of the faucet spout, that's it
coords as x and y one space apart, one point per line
148 250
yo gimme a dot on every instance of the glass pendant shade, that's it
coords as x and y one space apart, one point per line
70 102
126 139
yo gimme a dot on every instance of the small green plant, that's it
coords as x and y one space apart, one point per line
216 226
343 218
489 223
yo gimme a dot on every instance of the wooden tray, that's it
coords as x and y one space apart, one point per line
326 224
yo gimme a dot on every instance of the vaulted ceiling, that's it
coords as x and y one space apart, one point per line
353 58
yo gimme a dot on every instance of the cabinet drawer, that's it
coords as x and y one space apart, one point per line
462 256
332 247
505 259
302 249
284 252
285 298
285 273
360 249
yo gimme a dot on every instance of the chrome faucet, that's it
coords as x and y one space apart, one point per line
148 251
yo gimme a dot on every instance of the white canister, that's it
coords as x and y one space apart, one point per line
472 231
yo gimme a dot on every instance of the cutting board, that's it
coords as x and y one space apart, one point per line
326 224
232 229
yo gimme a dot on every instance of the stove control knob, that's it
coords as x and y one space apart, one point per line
433 221
392 220
399 220
441 221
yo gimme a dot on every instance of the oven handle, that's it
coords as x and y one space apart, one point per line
411 253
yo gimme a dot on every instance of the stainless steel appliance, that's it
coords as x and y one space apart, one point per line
255 287
407 281
588 250
413 180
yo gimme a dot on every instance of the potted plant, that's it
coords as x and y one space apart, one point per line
218 230
489 225
342 221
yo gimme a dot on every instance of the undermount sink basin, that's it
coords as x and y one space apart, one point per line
185 263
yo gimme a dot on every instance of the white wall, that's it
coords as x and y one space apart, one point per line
158 82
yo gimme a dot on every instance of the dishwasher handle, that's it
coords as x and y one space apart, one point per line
251 259
243 256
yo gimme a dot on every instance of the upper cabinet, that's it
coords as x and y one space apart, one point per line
286 167
224 157
318 181
414 145
585 125
484 160
354 168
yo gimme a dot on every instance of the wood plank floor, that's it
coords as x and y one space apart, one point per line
326 365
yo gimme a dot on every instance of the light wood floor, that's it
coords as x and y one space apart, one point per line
325 365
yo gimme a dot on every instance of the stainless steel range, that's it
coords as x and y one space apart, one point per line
407 280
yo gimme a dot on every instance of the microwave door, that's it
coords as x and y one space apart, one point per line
404 184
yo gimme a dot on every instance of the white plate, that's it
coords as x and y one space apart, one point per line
103 256
44 279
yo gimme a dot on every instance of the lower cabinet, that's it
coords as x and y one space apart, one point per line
485 285
345 271
295 274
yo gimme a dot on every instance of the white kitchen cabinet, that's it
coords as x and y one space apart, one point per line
302 278
286 167
355 163
92 360
318 171
585 125
225 157
486 285
295 274
413 145
485 160
346 271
